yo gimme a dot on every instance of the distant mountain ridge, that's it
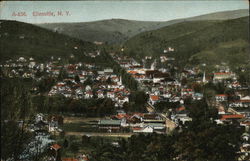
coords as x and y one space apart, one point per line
116 31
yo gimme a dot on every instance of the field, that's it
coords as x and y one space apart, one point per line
77 127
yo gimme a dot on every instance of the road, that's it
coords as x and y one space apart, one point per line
126 135
150 108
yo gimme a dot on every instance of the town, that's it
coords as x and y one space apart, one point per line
168 90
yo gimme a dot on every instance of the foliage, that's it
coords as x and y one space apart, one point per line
196 42
37 42
14 140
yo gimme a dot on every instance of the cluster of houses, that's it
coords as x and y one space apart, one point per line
134 122
145 122
158 83
72 78
21 67
91 82
86 81
55 154
46 123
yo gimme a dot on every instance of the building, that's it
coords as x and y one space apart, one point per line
222 76
221 97
153 99
111 124
145 129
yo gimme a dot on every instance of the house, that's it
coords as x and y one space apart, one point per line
82 78
153 99
235 85
53 126
88 94
83 157
240 103
53 123
156 126
197 96
111 94
153 118
158 77
231 117
122 100
187 92
180 115
246 124
245 136
222 76
110 124
108 71
100 94
135 119
221 97
79 93
41 126
39 117
55 149
145 129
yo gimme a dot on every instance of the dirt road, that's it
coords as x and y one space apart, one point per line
126 135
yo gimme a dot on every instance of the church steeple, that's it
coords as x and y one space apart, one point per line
204 77
120 81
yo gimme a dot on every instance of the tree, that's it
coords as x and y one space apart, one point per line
77 79
193 143
13 140
65 143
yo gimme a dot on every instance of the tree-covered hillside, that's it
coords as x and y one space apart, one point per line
197 42
22 39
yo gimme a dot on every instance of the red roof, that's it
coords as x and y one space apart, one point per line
246 123
132 72
221 73
221 95
187 90
55 146
136 128
120 116
182 108
154 97
224 117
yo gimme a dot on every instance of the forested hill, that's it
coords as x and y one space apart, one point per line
23 39
196 42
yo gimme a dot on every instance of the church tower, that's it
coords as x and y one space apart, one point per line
204 77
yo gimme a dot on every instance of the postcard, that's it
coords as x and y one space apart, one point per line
158 80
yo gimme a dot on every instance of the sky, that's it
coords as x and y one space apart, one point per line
85 11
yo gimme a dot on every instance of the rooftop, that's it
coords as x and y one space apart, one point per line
109 122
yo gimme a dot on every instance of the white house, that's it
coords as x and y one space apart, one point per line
221 97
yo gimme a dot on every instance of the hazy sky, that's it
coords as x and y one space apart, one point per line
82 11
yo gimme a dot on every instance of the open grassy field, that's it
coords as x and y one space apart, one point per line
79 126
